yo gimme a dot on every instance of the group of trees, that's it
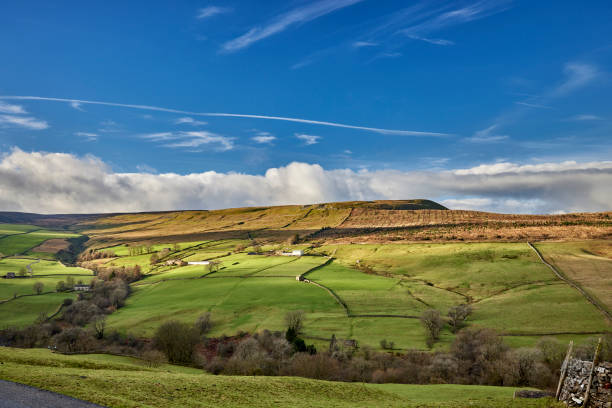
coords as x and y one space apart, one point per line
92 255
63 286
433 322
127 274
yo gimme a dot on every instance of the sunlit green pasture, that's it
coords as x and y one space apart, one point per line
236 303
25 310
125 382
25 237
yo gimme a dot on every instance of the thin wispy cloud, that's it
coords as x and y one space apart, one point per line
283 21
308 139
418 22
237 115
193 139
585 117
264 137
578 75
211 11
190 121
361 44
23 122
109 126
87 136
436 41
12 109
487 135
533 105
475 11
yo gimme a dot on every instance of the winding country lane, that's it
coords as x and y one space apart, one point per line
16 395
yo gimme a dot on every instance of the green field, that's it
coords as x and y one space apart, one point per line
16 239
509 288
236 304
25 310
46 272
124 382
587 263
376 291
19 306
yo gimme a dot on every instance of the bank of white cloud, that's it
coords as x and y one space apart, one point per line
64 183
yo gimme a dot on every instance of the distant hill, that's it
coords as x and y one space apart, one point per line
362 221
43 220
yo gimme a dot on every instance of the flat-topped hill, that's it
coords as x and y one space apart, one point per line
354 221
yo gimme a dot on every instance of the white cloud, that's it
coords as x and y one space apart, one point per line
436 20
308 139
88 136
12 109
193 139
190 121
436 41
236 115
211 11
584 117
280 23
64 183
23 121
361 44
533 105
109 126
577 75
264 137
486 136
76 105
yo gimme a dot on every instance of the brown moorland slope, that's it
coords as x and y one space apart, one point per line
356 221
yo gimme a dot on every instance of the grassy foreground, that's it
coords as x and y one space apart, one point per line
123 382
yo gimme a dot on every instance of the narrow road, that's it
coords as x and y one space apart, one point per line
29 266
16 395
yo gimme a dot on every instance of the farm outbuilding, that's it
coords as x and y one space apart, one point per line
9 275
81 288
295 252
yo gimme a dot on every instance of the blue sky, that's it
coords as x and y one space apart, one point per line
440 85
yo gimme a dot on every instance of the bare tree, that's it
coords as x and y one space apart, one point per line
38 287
295 320
457 315
213 266
177 341
203 324
432 321
99 326
22 271
154 259
153 358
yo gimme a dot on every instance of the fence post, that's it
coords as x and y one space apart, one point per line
568 356
588 390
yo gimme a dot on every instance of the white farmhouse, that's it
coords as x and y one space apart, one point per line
295 252
198 263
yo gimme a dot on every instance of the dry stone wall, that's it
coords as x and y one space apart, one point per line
576 383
